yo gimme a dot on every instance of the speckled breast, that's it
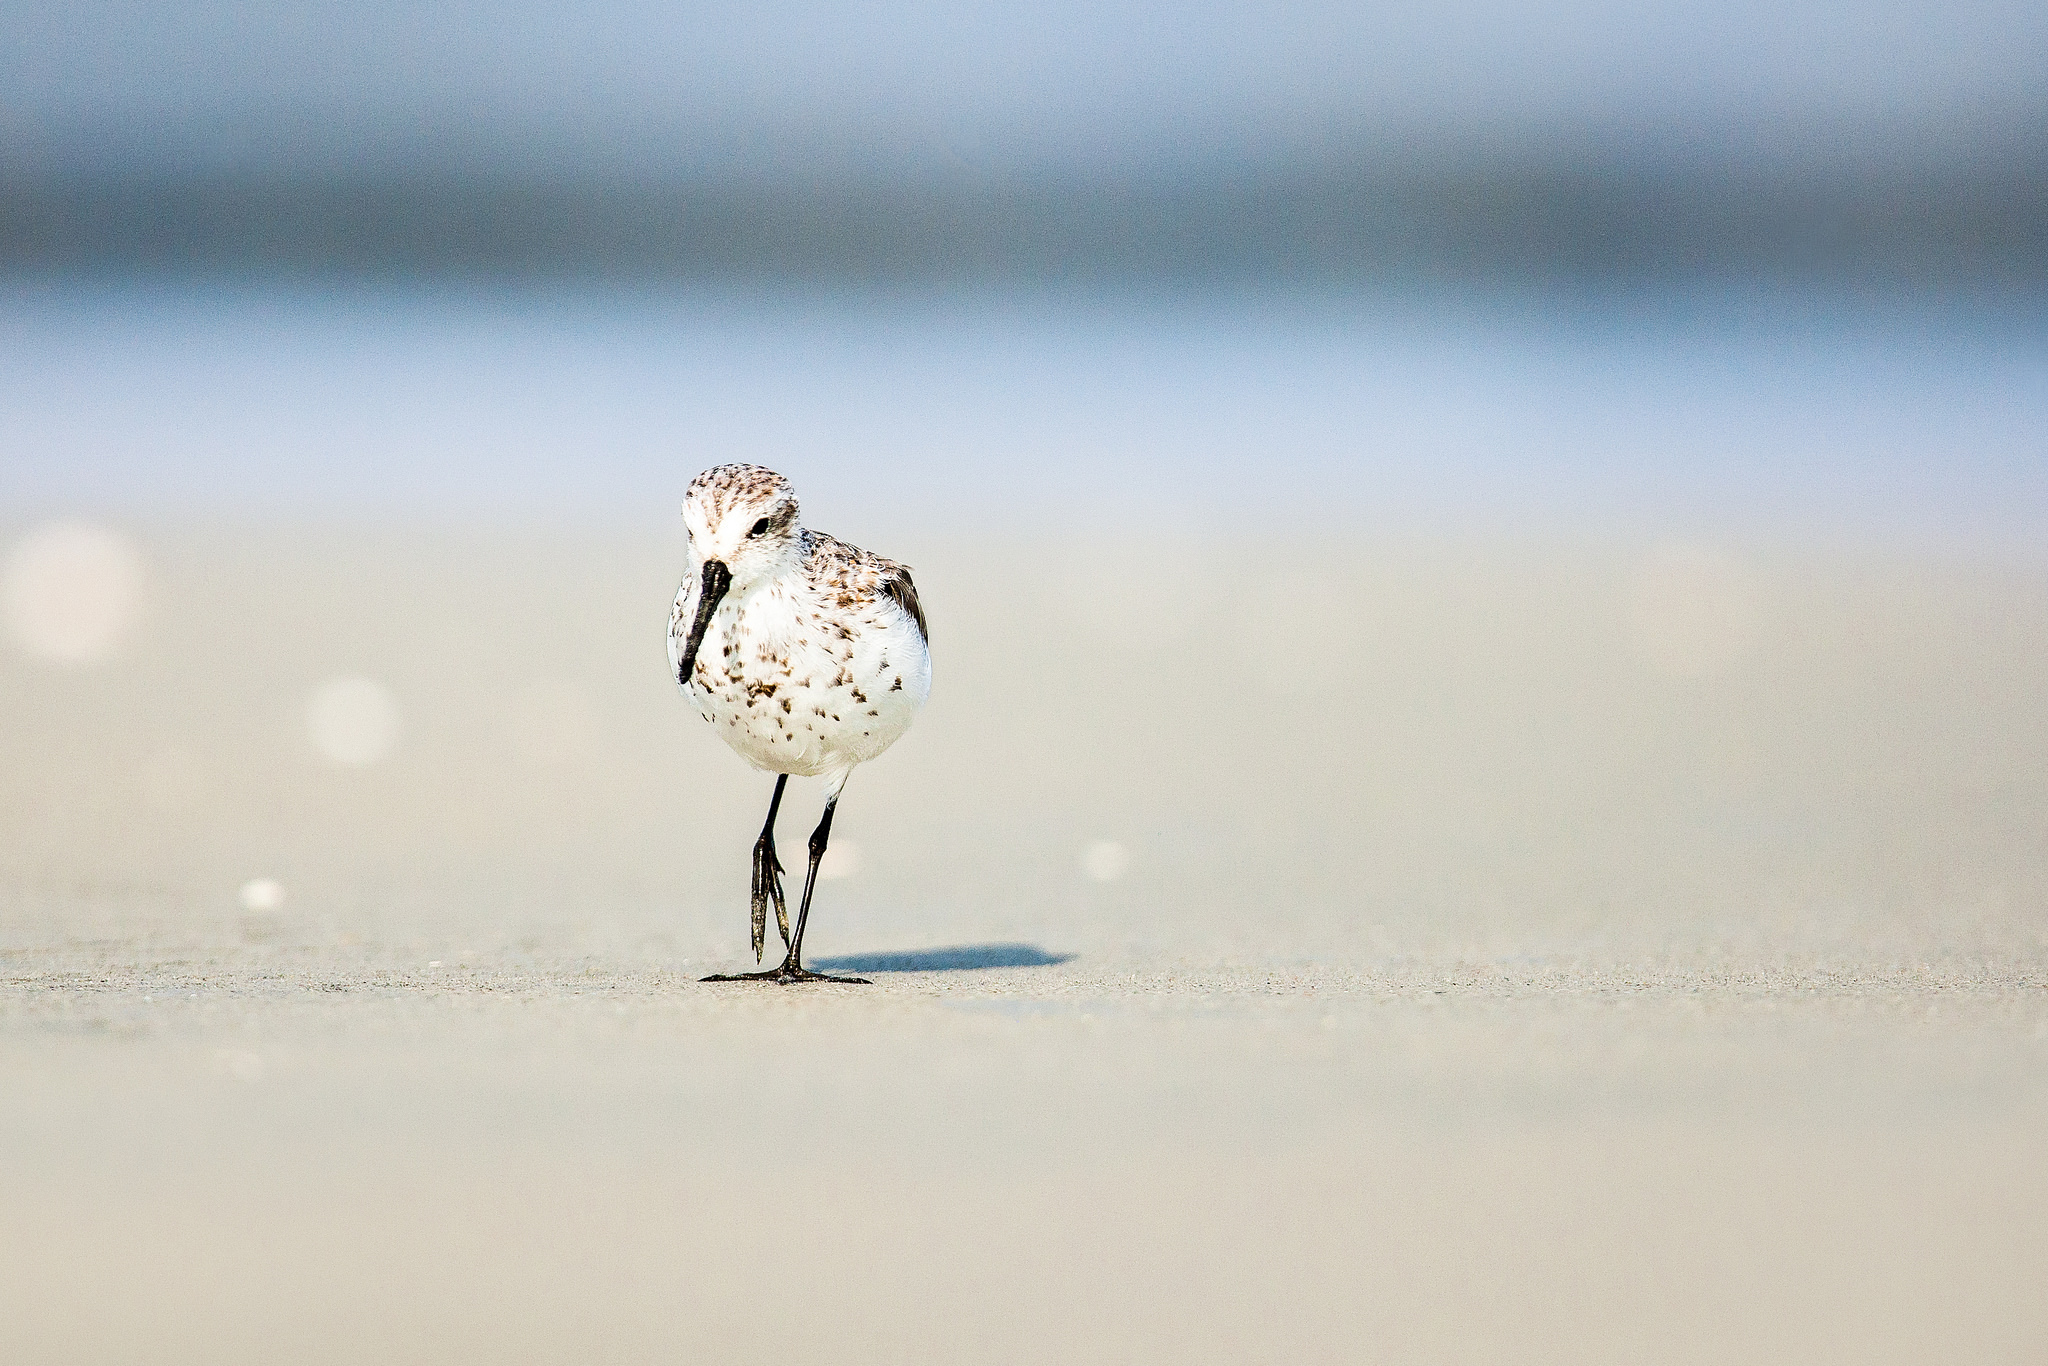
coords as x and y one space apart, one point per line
794 691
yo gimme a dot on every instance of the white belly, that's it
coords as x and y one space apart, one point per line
794 692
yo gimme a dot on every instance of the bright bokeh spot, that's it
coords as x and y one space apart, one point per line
261 895
1105 860
353 721
842 859
1694 611
71 592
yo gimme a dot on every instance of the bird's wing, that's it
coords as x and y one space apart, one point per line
833 565
898 588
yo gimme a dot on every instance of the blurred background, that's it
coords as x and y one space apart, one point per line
372 347
1468 498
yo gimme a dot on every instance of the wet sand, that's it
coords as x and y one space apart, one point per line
1592 953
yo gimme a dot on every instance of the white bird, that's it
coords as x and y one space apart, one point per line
808 655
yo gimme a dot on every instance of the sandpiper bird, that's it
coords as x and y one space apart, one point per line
806 653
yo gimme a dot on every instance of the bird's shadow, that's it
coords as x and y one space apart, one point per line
958 958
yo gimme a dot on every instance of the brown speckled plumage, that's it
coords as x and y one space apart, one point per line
810 622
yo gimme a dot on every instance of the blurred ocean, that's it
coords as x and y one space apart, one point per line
1804 418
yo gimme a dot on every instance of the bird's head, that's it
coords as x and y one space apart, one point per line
743 517
742 523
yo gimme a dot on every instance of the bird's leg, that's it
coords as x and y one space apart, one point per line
793 966
793 969
768 876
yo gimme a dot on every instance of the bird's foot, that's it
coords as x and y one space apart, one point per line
767 887
786 975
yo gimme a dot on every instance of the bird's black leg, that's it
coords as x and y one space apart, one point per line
794 965
793 969
768 876
767 884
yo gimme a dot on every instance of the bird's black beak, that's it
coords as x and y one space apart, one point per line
717 578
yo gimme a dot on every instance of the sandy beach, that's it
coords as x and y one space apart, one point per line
1645 959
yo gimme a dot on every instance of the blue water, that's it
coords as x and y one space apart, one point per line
1754 416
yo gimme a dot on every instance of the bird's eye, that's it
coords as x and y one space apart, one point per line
760 527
